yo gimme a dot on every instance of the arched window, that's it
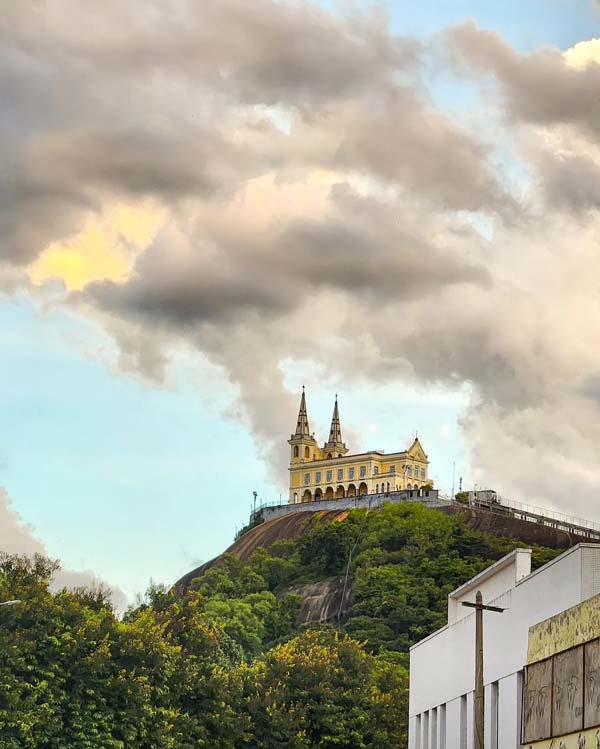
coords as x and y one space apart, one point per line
376 488
296 451
328 455
306 452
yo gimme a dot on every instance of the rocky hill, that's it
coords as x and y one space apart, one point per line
300 524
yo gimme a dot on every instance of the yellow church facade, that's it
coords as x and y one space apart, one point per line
329 472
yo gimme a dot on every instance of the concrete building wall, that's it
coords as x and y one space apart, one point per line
442 666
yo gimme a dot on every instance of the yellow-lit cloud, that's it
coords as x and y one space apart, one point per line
105 248
583 54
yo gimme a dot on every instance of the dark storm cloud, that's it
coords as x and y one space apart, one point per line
109 101
268 51
570 182
397 137
362 248
419 261
539 87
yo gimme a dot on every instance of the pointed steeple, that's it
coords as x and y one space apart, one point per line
335 432
302 425
334 443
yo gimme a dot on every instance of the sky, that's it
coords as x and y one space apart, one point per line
204 207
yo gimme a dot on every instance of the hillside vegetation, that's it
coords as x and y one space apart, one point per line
226 666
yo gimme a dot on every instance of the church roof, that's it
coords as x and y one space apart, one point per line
416 450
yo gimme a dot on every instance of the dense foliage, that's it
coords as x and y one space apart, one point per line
226 665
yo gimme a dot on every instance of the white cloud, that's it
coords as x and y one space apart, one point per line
583 54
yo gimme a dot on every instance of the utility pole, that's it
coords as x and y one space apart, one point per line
479 690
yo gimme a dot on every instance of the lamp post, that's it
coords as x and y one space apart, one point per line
479 689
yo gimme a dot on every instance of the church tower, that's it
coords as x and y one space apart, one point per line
302 443
328 472
334 447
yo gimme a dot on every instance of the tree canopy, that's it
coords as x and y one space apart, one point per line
228 665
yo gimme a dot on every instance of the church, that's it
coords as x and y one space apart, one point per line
330 472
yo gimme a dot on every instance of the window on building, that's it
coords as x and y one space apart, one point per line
434 729
376 488
409 470
375 470
425 740
494 715
340 474
363 471
392 469
329 475
442 726
306 452
328 456
422 473
296 451
306 479
463 722
318 477
351 473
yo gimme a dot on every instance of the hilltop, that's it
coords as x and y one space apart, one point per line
229 662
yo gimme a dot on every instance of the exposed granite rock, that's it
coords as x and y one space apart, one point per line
324 600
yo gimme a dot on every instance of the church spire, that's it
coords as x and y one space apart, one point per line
334 443
302 426
335 432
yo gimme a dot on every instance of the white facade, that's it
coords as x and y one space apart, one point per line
442 667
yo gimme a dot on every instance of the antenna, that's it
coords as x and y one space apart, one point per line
453 472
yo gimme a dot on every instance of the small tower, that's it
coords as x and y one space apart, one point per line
334 447
302 443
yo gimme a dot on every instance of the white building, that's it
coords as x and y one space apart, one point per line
442 667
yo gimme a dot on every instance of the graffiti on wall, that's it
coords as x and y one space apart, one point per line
589 739
537 696
567 692
561 694
592 684
572 627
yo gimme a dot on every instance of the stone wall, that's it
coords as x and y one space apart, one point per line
428 497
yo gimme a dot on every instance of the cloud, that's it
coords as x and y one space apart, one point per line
544 87
17 537
583 54
318 210
104 248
